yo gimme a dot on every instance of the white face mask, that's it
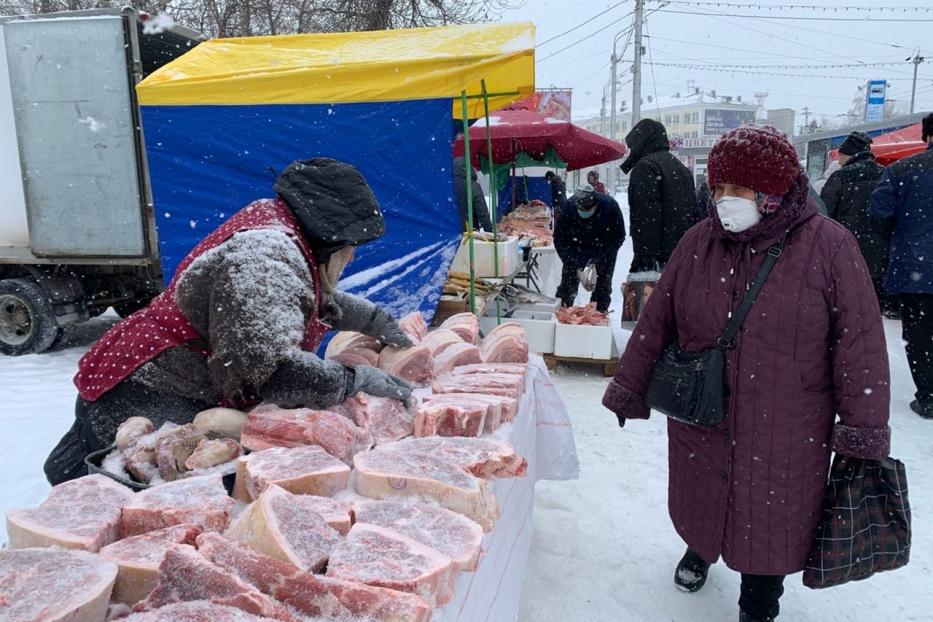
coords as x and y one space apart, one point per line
737 214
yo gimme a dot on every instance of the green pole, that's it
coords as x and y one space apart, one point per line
469 197
494 216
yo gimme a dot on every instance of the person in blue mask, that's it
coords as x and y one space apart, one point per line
588 229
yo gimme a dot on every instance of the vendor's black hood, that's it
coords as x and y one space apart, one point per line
334 205
646 137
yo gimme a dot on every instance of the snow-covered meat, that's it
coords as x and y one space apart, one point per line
505 344
268 426
386 419
194 611
385 558
415 365
337 514
310 594
210 453
414 326
519 369
286 527
456 355
54 585
465 325
587 315
454 535
348 340
307 470
185 575
139 558
131 430
174 448
83 513
508 385
447 470
202 501
501 409
440 339
458 417
220 422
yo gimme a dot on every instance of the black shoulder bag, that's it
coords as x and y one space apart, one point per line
688 386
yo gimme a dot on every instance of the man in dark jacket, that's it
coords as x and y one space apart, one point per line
242 319
905 197
480 208
558 189
847 195
589 229
661 195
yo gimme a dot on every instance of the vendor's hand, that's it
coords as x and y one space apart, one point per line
396 337
386 329
377 382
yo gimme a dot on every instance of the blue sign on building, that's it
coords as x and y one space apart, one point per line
874 101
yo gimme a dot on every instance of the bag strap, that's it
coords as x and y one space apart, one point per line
727 341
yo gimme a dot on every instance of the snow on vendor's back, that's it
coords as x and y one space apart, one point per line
242 317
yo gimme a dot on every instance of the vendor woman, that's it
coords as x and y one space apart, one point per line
242 318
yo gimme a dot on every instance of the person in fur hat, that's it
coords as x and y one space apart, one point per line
806 376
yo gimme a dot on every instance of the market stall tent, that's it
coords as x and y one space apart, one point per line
221 121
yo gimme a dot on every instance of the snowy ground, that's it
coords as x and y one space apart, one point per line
604 548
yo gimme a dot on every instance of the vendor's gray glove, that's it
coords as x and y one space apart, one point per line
386 329
377 382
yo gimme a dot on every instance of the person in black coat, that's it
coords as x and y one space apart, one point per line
558 189
661 195
590 228
703 198
480 209
847 195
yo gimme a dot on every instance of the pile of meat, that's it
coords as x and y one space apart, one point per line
454 343
531 221
587 315
180 551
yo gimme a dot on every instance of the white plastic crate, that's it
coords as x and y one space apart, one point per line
584 342
484 259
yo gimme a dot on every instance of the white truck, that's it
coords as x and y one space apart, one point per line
77 232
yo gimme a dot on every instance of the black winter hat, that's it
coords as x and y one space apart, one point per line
856 142
927 127
334 205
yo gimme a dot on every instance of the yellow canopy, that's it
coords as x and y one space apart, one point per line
387 65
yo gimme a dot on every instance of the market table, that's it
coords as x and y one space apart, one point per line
542 433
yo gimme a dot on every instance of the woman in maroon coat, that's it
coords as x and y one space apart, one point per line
808 374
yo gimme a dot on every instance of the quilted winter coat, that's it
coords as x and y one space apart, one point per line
811 352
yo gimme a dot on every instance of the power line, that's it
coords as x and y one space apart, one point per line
581 24
828 66
763 73
811 19
586 38
810 7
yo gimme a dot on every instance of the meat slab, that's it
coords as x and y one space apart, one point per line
505 344
456 417
139 557
307 470
349 340
499 409
464 324
337 514
287 527
414 326
446 470
270 426
54 585
491 368
454 535
440 339
385 558
507 385
456 355
194 611
385 418
311 594
415 365
357 357
83 513
185 575
202 501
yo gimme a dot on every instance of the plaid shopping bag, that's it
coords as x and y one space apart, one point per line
865 527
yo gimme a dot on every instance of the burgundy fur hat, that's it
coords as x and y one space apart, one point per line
758 158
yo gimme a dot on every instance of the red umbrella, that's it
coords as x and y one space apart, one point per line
523 131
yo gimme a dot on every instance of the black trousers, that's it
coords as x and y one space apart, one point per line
96 423
760 595
917 326
570 284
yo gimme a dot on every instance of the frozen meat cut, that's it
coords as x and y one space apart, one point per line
54 585
307 470
458 417
202 501
385 418
287 527
440 339
414 365
414 326
194 611
456 355
464 324
83 513
505 344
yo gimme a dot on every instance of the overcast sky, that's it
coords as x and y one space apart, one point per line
707 37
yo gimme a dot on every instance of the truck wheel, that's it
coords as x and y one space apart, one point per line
27 324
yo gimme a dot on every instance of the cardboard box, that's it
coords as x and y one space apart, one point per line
584 342
539 328
484 258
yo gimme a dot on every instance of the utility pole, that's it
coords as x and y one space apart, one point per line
806 121
613 62
916 60
636 67
602 115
